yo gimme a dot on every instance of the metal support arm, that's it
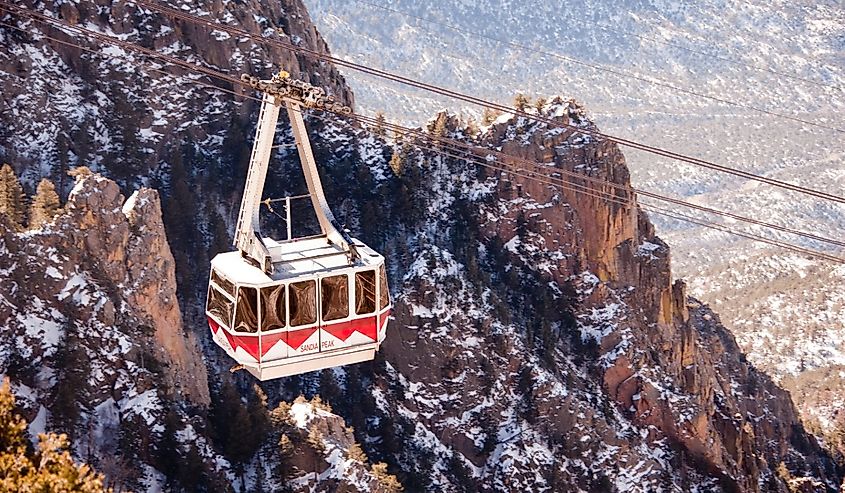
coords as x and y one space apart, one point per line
248 232
328 224
293 94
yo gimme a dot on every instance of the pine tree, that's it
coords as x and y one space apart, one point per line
379 129
397 162
521 102
540 104
315 441
178 204
284 467
80 171
439 128
45 204
285 446
167 450
388 481
318 445
329 388
191 470
472 127
489 116
317 403
259 418
280 417
11 197
12 426
234 426
72 381
355 453
525 385
48 468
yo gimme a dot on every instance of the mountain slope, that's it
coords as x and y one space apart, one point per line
716 49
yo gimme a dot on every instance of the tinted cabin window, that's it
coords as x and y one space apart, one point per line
220 306
273 307
365 292
223 284
303 302
335 292
384 294
246 314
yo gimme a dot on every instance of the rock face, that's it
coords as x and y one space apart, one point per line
319 448
126 239
92 332
166 110
566 352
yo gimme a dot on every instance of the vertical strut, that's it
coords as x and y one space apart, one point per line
248 231
328 224
287 217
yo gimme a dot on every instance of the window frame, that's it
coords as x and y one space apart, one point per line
284 288
322 299
382 291
289 289
227 324
374 273
257 311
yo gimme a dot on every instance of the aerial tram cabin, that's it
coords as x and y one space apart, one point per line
284 307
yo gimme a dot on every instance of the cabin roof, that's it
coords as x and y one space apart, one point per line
305 258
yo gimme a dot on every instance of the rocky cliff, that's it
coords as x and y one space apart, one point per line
566 352
92 334
785 308
539 343
80 122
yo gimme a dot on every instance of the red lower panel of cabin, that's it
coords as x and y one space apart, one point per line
294 339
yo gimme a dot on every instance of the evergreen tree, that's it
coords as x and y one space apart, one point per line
11 197
521 102
45 204
439 128
317 403
379 129
489 116
318 445
491 434
525 385
82 142
167 450
259 417
72 380
239 429
284 467
191 470
126 160
285 446
353 397
472 127
12 426
62 150
280 417
179 204
540 104
397 162
80 171
355 452
49 467
388 481
329 388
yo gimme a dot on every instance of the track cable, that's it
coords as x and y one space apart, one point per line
480 160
